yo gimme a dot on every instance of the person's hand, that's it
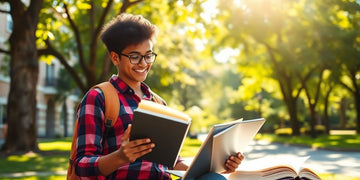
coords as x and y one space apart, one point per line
129 151
233 162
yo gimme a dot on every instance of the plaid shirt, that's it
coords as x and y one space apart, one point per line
90 132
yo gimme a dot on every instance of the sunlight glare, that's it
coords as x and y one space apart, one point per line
179 3
237 3
199 45
210 10
225 55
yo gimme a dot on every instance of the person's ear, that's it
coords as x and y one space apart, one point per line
115 59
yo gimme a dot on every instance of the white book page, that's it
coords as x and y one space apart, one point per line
251 169
292 161
232 140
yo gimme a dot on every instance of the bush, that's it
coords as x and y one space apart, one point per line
283 132
319 129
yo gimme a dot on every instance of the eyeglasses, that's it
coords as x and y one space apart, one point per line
136 58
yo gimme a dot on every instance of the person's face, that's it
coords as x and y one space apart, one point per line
130 73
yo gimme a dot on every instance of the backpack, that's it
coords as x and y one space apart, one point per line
112 105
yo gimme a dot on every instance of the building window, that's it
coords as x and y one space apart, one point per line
9 22
2 113
50 75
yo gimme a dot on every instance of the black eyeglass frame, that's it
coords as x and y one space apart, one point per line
141 58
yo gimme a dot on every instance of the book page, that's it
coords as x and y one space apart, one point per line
308 173
293 162
232 140
269 167
161 109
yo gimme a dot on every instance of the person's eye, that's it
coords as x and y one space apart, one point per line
148 56
134 56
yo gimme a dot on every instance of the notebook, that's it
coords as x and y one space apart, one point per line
239 134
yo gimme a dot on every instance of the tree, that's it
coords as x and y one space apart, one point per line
268 24
345 18
85 25
21 111
296 35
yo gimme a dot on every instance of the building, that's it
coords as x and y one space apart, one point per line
50 114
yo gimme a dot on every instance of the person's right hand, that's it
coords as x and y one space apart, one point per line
129 151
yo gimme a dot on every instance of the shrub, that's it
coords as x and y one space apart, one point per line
283 132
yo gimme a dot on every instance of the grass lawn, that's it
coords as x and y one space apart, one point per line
58 160
343 142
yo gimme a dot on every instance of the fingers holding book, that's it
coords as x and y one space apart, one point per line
131 150
233 162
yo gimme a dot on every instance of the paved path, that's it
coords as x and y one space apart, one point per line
321 161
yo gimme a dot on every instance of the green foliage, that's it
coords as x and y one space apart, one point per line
223 61
287 43
319 129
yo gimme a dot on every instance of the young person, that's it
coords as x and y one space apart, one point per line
129 39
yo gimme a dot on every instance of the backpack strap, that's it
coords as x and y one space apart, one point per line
112 104
112 107
156 98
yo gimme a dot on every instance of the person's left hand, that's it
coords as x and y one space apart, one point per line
233 162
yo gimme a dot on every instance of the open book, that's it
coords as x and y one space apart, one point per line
222 141
274 167
166 127
231 140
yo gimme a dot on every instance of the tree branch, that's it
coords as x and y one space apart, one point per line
95 36
102 19
78 42
4 51
51 51
5 12
127 4
34 11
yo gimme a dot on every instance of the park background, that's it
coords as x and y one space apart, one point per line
295 63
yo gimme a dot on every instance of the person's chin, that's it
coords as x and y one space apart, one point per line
141 75
140 78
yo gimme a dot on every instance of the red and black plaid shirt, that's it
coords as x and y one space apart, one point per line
90 136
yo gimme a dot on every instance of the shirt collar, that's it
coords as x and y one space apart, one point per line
123 88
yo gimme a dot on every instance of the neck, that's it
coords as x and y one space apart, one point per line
136 86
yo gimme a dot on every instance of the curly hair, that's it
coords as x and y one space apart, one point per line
127 29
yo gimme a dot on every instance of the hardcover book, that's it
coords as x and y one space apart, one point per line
166 127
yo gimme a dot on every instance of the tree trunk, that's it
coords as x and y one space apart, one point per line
295 125
65 114
357 107
22 134
342 113
24 70
50 119
326 112
313 133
